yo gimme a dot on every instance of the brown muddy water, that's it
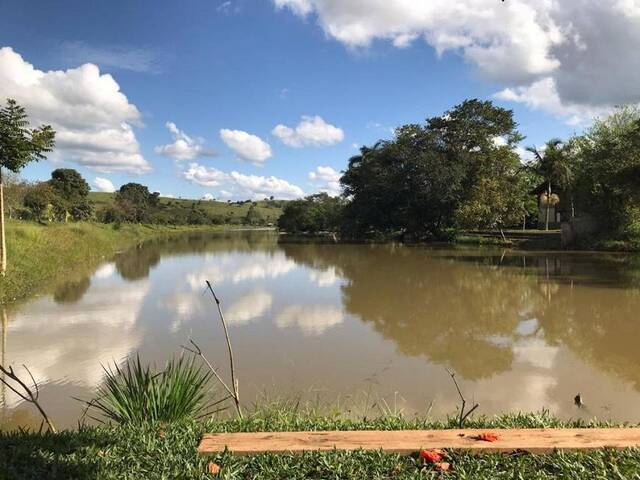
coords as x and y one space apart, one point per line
366 327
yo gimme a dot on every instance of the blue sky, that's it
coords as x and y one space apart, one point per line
246 66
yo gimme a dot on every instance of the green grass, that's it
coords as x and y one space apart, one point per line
168 451
136 393
39 254
232 213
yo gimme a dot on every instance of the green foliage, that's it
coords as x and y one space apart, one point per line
15 190
433 178
69 184
608 176
133 393
40 201
72 193
314 214
20 144
170 211
253 216
135 202
554 164
64 196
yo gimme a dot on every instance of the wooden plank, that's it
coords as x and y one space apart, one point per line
539 440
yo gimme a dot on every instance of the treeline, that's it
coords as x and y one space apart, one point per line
62 198
462 170
66 197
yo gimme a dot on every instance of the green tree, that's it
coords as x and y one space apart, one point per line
608 173
135 202
73 194
313 214
429 178
19 145
41 200
553 164
253 216
15 190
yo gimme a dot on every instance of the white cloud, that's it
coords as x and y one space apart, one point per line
105 271
299 7
512 39
240 186
239 268
204 176
326 179
104 184
525 155
582 53
92 118
324 278
246 146
258 187
310 131
326 174
184 146
543 95
103 328
208 197
311 319
249 307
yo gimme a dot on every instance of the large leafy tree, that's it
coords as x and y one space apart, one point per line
19 145
135 202
608 172
429 178
553 164
72 193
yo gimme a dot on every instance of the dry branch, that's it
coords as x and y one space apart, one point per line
25 392
463 415
233 391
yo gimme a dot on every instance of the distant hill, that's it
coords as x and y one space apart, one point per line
221 212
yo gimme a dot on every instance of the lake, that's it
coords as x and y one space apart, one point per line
368 328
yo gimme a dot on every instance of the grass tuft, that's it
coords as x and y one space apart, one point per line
133 393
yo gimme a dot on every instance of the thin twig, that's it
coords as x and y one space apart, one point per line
463 416
232 390
234 380
198 351
27 394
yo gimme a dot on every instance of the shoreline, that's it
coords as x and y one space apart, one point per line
170 451
516 240
39 254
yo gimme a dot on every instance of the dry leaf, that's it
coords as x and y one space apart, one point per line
214 468
442 466
488 437
431 456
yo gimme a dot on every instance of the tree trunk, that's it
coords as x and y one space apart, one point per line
3 244
573 210
546 224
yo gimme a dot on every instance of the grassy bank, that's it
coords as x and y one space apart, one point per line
158 451
232 213
40 254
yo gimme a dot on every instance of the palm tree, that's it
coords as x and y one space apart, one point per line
553 164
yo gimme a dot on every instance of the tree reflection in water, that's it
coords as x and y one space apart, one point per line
466 309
